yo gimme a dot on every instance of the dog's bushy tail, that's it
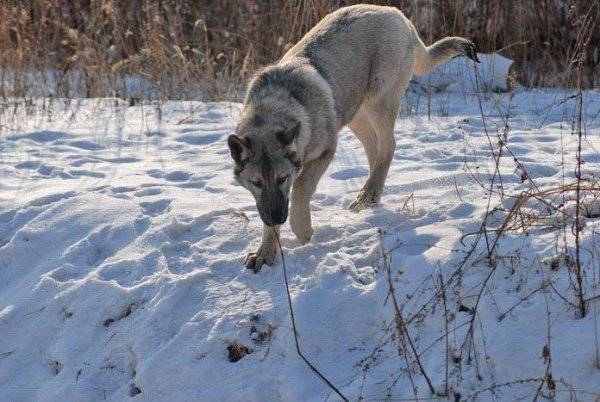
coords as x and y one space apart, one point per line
441 51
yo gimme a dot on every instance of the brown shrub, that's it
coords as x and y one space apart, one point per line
181 46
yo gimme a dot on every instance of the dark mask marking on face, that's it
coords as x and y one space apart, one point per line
272 205
266 168
293 158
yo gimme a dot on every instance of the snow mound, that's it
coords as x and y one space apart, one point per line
122 238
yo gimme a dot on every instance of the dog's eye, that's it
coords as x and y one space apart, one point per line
257 183
282 180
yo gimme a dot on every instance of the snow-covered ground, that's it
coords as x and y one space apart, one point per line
122 235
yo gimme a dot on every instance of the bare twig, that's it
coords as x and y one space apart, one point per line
577 226
289 298
400 324
443 293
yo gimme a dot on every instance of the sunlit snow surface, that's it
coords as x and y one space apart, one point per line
122 235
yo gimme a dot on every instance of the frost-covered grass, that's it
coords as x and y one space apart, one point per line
122 235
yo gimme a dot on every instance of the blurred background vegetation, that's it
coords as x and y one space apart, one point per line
182 49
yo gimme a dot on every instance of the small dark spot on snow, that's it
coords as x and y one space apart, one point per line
463 308
125 313
108 366
6 354
134 390
236 351
55 367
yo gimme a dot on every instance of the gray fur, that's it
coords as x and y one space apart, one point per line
351 69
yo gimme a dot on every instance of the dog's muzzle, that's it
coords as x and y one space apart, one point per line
273 208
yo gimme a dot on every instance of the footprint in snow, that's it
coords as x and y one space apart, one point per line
418 244
82 161
210 116
159 134
155 208
28 165
537 170
67 272
350 173
125 159
462 211
85 145
177 175
174 176
122 189
199 139
80 172
40 136
546 138
51 198
46 170
177 256
194 184
156 173
148 192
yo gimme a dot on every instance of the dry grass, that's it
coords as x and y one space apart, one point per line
187 49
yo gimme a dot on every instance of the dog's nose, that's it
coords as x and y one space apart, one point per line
274 217
280 218
273 208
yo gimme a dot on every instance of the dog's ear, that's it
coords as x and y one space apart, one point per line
286 137
239 148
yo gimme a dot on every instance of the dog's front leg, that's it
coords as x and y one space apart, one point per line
300 219
302 191
266 252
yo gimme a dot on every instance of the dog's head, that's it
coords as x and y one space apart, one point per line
266 164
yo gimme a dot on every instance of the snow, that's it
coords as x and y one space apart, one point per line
122 235
75 84
458 76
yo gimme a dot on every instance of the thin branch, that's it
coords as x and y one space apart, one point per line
289 298
400 324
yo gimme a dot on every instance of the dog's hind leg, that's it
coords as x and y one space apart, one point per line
302 191
266 252
382 112
364 131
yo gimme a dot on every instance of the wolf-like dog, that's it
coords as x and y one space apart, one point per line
351 69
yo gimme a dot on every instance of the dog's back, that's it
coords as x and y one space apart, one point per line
361 50
355 49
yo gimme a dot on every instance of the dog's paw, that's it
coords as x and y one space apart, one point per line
264 255
303 234
365 199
